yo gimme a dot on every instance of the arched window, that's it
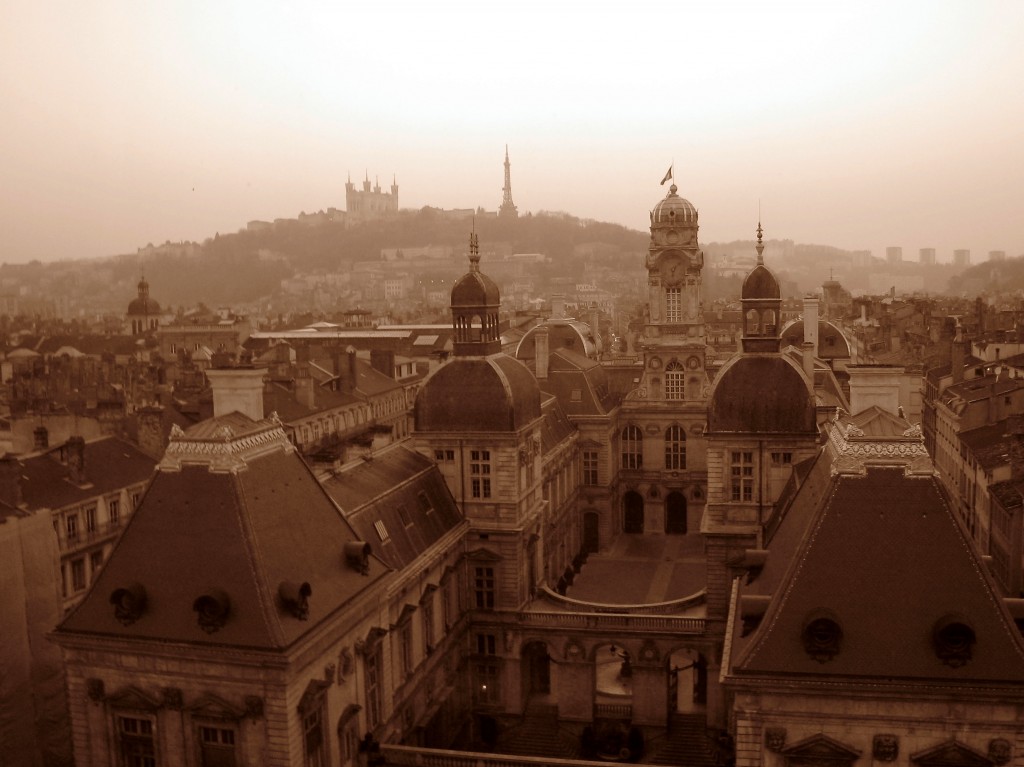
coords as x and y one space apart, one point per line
476 326
751 323
769 322
675 447
632 448
674 380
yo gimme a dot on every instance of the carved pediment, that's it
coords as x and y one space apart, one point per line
134 698
951 754
819 749
483 555
313 695
406 615
215 707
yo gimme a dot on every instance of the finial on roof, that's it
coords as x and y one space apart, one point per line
673 189
760 244
474 250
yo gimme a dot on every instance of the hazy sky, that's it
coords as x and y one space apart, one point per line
856 124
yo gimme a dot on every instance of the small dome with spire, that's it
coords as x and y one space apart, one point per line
674 209
143 304
760 283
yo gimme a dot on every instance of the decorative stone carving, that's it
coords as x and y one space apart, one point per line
173 698
822 637
344 664
95 689
329 671
775 738
1000 751
212 610
649 652
129 603
574 650
254 707
885 747
953 640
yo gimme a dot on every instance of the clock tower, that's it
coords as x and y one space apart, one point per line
663 464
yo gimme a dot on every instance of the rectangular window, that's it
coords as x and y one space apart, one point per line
444 456
114 511
96 561
78 575
483 587
486 644
135 737
382 532
782 459
216 746
373 669
71 526
487 681
673 304
590 467
405 647
428 624
90 519
425 505
313 737
403 514
741 475
480 473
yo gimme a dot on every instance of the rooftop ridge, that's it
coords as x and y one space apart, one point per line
224 444
854 451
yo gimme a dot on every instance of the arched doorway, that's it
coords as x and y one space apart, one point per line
675 513
632 512
591 537
687 682
536 665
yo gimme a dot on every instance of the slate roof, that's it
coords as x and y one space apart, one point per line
400 493
990 444
556 427
241 532
761 394
110 464
793 334
885 554
580 383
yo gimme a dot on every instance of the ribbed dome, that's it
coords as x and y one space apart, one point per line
494 393
475 289
674 210
760 395
760 283
143 306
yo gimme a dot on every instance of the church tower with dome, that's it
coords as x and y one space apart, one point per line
662 470
479 418
761 424
143 311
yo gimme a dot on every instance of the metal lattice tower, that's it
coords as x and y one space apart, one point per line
508 208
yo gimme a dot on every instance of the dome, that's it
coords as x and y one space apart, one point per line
761 395
832 344
475 289
562 334
674 210
760 284
495 393
144 306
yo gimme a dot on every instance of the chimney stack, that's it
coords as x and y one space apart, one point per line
957 355
304 387
351 380
874 385
238 389
541 351
76 459
10 481
811 323
557 306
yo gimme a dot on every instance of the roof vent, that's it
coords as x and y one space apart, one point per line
357 556
129 603
953 640
822 636
213 609
295 597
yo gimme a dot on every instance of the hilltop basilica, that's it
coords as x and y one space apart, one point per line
684 560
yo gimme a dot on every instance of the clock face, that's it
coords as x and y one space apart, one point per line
673 269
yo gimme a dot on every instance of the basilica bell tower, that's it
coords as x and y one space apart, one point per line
663 477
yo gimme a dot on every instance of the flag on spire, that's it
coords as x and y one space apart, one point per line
668 176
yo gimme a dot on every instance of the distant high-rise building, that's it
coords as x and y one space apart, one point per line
997 255
508 208
962 257
894 254
926 256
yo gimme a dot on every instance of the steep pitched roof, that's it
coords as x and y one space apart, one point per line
883 554
232 514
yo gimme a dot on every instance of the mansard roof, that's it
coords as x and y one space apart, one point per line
232 531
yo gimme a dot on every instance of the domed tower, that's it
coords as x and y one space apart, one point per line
662 463
143 312
762 305
479 417
761 423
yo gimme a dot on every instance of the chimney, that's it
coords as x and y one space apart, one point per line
808 359
595 328
10 480
40 438
76 459
957 356
350 382
1015 431
304 385
811 322
237 389
557 306
384 361
875 385
151 430
541 351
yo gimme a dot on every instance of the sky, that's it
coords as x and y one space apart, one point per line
858 125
